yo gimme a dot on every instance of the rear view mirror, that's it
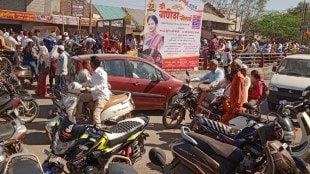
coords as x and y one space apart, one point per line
187 73
274 68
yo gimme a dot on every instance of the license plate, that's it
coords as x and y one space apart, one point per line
54 157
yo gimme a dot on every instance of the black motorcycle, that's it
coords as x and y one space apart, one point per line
186 100
85 148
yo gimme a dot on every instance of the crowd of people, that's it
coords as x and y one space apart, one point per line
51 55
225 48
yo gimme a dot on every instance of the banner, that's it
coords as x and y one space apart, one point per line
19 16
77 8
172 33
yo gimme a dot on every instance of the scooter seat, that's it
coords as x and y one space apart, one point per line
120 132
6 131
212 146
115 99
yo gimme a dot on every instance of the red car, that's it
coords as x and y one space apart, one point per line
151 87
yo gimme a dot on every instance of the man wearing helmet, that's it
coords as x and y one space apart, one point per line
99 91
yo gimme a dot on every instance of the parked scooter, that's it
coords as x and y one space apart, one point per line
118 107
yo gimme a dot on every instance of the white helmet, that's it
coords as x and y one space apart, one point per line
74 87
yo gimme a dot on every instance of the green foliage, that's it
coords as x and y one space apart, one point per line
279 26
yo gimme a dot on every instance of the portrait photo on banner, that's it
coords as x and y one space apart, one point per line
153 41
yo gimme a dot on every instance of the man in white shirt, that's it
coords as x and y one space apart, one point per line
11 42
62 68
20 36
131 42
98 93
26 39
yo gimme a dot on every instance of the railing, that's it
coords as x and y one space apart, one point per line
251 60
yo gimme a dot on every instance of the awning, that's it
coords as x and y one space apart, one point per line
214 18
110 13
137 16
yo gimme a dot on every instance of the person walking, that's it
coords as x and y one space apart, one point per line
61 69
43 70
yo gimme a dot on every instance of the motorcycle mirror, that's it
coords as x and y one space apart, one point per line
187 73
157 156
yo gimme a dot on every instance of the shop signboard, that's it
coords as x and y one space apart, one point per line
77 8
172 33
14 15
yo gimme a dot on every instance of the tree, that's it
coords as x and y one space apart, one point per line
279 26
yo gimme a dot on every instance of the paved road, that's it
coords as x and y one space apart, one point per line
36 139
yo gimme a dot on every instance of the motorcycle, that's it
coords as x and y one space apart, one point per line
186 100
28 107
24 73
201 154
85 148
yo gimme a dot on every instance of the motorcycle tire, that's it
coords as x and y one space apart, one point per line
178 116
29 116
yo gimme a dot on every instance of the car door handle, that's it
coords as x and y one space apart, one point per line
136 84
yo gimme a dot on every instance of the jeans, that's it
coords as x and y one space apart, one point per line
33 66
60 82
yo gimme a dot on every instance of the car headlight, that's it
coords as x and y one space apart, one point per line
273 87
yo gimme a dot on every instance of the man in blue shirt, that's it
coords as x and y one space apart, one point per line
214 76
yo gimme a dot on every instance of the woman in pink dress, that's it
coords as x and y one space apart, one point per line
152 39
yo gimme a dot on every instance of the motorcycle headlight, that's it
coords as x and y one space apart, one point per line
273 87
289 136
60 147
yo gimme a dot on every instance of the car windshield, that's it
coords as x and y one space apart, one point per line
295 67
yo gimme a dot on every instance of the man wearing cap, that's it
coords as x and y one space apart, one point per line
237 92
62 68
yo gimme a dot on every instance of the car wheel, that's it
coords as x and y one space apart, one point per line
271 106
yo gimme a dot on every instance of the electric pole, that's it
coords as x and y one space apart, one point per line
303 23
90 16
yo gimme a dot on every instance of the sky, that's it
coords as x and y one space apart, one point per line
278 5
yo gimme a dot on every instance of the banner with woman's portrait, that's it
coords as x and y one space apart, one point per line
172 33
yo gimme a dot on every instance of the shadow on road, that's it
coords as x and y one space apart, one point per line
40 126
36 138
44 110
150 112
153 167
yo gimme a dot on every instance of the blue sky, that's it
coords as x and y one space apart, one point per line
271 5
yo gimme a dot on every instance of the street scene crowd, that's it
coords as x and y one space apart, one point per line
96 83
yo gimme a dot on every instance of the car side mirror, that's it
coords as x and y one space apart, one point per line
274 68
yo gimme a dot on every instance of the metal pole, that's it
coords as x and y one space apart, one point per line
90 16
304 20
